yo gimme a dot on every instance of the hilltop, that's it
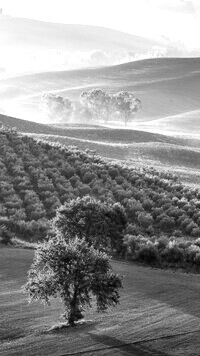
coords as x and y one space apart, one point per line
47 35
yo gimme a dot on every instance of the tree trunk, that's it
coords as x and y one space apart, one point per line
125 120
75 312
72 317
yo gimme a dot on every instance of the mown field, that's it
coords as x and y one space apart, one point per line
159 314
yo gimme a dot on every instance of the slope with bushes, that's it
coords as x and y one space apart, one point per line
37 177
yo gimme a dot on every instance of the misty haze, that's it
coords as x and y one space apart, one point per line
99 177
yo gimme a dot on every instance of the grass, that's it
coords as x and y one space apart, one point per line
160 306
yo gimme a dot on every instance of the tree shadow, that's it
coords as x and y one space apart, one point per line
126 347
62 328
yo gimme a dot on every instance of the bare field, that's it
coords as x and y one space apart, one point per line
159 314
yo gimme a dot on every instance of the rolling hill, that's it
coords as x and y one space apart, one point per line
136 147
37 177
29 46
167 87
185 123
47 35
93 132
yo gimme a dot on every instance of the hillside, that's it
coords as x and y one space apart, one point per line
180 155
186 123
46 35
30 46
37 177
95 133
166 86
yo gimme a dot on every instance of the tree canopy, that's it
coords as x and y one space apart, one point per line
98 101
127 105
101 224
74 271
96 104
104 105
56 108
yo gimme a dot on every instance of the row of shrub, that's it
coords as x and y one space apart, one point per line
163 251
37 177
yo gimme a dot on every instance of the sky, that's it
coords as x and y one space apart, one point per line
176 20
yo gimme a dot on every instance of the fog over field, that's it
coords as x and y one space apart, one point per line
168 88
99 177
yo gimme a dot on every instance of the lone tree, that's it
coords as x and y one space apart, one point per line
127 105
56 107
100 224
76 272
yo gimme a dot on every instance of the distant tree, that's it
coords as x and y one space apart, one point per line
81 112
127 105
56 107
99 102
109 107
73 271
101 224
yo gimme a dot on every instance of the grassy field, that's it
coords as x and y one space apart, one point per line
158 315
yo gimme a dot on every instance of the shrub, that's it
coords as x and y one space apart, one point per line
145 220
132 229
162 243
197 242
130 241
5 235
177 233
166 223
197 259
148 254
195 232
173 254
191 253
